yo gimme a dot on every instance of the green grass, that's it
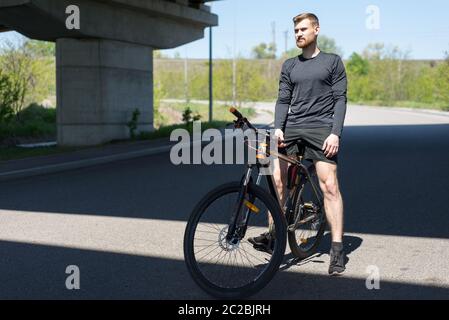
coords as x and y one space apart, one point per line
14 153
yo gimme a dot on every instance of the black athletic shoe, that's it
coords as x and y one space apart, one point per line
337 262
264 242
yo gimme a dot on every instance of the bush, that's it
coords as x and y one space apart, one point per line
188 116
132 124
7 98
37 113
32 122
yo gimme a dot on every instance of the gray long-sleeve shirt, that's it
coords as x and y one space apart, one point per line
312 93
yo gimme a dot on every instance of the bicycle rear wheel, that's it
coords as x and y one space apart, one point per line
307 221
225 269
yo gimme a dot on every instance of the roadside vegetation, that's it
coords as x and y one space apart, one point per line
378 76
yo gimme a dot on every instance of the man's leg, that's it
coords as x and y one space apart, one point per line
280 179
264 242
333 204
333 201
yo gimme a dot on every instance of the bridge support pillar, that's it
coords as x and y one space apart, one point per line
99 84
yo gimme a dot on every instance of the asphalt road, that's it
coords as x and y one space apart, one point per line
122 223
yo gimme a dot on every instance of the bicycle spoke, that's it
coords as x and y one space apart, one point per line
205 240
217 247
206 231
255 256
206 246
247 258
214 226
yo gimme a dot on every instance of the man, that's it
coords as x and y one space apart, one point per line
311 107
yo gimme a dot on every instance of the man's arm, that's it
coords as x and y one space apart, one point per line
339 89
284 96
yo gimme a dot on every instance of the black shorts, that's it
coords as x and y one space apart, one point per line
311 139
282 150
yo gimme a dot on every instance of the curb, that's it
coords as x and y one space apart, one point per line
53 168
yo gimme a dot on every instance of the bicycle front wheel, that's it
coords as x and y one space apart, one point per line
233 269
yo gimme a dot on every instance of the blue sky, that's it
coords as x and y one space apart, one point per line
420 27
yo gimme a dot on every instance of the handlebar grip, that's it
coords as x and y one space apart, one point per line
235 112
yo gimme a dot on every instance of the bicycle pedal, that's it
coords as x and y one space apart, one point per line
309 205
309 218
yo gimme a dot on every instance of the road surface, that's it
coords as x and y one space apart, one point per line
122 223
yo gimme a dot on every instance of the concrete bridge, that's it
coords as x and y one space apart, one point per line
104 66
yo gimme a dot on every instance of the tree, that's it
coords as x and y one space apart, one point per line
374 51
157 54
328 45
29 67
264 51
16 64
357 65
40 49
291 53
442 83
7 97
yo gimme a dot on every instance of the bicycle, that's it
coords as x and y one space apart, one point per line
217 253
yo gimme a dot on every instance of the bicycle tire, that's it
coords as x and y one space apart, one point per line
276 258
296 247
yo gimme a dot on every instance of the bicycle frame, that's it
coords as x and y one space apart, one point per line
303 174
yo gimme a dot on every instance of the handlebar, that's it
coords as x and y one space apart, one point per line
236 113
241 120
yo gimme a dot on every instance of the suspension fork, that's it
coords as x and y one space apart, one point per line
251 199
246 179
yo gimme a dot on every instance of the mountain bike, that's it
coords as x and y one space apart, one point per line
217 252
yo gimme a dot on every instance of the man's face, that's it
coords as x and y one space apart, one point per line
305 33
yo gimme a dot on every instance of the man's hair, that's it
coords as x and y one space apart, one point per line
313 18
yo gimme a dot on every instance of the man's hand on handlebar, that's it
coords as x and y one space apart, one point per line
280 135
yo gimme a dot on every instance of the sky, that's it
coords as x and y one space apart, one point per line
420 28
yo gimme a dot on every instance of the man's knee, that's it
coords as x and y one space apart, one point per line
330 188
328 180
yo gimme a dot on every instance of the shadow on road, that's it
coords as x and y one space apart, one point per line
30 271
394 180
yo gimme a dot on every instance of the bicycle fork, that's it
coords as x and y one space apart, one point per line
236 231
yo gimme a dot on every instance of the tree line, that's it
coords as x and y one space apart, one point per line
379 75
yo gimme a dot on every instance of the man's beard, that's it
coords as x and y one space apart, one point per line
303 44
